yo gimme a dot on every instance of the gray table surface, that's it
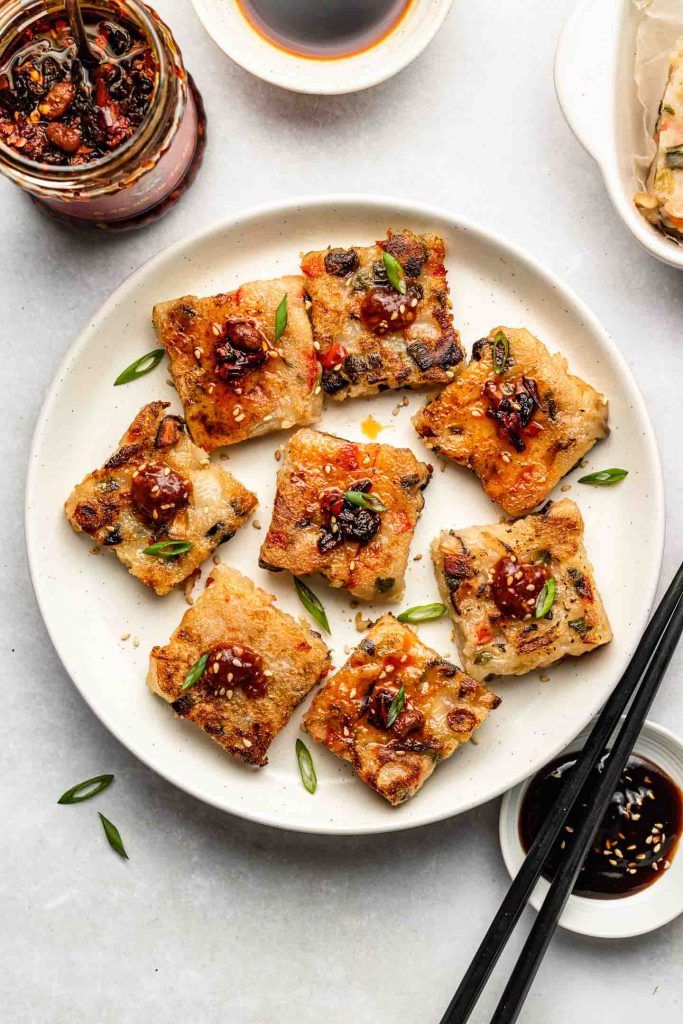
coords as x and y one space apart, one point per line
215 919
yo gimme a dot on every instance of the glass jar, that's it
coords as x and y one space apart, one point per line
142 178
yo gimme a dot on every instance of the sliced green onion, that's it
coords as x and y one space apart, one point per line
423 613
84 790
145 364
312 604
668 108
306 767
195 673
604 477
394 273
580 626
168 548
545 599
280 319
113 836
500 350
363 500
396 707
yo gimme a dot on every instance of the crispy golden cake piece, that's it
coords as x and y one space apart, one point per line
159 488
234 379
254 664
519 421
497 579
315 528
371 336
354 717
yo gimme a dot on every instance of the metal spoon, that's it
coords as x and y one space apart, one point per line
75 16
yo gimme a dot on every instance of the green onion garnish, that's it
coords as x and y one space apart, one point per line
306 767
394 273
168 548
423 613
396 707
604 477
145 364
84 790
113 836
312 604
280 319
363 500
500 351
545 599
195 673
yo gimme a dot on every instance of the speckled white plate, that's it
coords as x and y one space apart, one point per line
88 601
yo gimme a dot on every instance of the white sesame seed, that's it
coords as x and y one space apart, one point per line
198 353
125 636
217 329
246 742
476 413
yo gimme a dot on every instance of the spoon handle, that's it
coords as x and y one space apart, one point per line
75 16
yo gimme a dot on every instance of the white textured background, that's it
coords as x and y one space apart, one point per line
214 919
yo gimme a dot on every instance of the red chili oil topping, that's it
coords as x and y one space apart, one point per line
512 406
408 720
335 356
231 666
342 520
516 585
54 109
384 309
243 347
159 492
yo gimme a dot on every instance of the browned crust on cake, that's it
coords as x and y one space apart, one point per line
397 763
491 643
101 505
314 463
232 610
426 352
282 393
571 417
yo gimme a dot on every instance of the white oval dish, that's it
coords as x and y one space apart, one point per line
89 601
233 33
642 912
595 83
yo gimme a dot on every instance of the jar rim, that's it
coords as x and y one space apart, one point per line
157 35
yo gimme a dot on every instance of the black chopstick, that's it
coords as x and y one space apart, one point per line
516 898
540 935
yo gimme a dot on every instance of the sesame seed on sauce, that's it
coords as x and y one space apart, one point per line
630 848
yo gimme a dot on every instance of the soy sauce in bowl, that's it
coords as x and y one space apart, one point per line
636 840
324 29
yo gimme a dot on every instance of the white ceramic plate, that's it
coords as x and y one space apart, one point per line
596 88
88 601
632 915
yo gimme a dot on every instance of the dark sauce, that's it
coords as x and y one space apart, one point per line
636 840
55 109
326 29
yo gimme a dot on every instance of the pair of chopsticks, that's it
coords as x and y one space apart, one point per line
640 682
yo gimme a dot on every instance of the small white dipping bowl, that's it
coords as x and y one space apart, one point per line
621 918
230 29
